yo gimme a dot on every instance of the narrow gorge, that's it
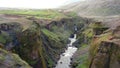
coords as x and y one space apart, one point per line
37 43
83 34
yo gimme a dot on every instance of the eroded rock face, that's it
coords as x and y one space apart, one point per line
10 60
107 55
98 31
36 45
105 48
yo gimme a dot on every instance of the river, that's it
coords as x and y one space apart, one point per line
64 61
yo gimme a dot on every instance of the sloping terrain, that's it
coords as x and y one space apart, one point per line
95 7
39 37
39 42
26 38
10 60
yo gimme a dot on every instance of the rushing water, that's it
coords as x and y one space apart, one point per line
64 61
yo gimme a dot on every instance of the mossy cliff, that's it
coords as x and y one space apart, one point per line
89 35
39 45
84 36
99 47
60 30
40 42
33 44
11 60
104 51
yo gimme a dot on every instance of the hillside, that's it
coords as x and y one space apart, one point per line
95 7
41 14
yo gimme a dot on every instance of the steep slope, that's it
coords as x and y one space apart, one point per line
25 38
105 47
95 7
37 41
98 47
11 60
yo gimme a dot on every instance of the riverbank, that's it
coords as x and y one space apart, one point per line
65 58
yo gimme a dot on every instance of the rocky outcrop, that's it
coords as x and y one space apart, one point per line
39 45
104 50
107 55
36 47
98 31
11 60
98 28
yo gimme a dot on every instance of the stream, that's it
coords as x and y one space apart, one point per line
64 61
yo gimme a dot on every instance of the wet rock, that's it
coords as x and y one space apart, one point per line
71 58
72 36
63 54
60 62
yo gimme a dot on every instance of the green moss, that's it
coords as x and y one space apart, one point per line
5 52
72 14
44 14
88 33
83 46
2 39
83 61
54 28
28 43
83 57
82 66
96 42
2 57
50 63
32 62
15 59
96 25
61 32
85 64
51 35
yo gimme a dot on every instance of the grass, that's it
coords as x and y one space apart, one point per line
44 14
96 25
2 57
72 14
88 32
50 63
64 34
82 66
83 45
2 39
50 34
14 57
83 61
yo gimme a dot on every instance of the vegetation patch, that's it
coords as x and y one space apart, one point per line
88 32
96 42
51 35
43 14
